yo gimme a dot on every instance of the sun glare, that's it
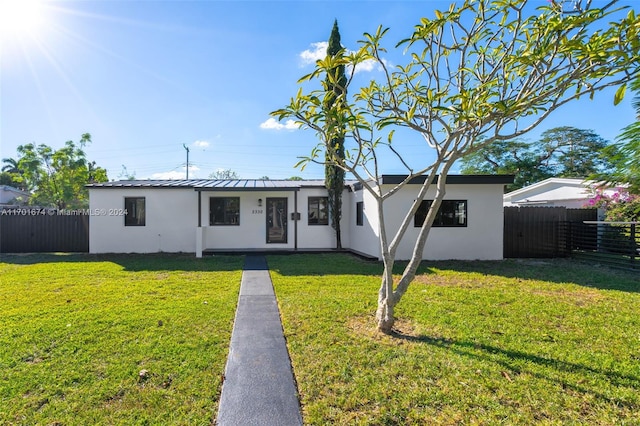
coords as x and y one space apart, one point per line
20 18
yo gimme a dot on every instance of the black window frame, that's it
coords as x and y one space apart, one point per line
319 220
359 213
230 215
135 211
447 216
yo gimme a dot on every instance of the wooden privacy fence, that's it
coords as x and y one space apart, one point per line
541 231
43 230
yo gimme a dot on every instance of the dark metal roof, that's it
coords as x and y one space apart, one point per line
256 185
215 184
292 185
145 184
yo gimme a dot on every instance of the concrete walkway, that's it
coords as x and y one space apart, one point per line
258 388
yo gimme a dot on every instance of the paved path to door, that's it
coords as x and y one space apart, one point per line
258 388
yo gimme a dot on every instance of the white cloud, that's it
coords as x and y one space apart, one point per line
318 51
168 175
201 144
273 124
370 65
367 66
175 174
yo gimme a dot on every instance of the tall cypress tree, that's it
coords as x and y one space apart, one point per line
335 85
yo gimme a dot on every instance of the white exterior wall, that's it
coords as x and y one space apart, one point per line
251 233
171 218
365 238
321 236
481 239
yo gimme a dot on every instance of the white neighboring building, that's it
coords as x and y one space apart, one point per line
198 216
9 195
553 192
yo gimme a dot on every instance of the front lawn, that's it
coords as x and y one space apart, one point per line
114 339
144 339
512 342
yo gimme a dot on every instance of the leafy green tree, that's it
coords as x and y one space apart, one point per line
9 179
335 85
125 175
57 178
625 155
572 153
224 174
11 166
11 174
508 157
481 72
560 152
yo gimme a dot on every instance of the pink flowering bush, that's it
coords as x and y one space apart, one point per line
620 206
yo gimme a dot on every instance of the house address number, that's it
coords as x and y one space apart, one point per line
258 211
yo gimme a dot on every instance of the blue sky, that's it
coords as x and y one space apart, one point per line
145 78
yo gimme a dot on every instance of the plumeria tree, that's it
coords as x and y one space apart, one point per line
478 73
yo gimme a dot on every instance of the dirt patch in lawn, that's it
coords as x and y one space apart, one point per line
365 325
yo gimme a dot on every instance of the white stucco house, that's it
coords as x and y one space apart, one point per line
201 216
553 192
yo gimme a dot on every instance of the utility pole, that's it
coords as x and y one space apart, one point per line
187 148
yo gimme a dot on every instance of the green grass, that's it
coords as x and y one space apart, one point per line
77 330
549 342
512 342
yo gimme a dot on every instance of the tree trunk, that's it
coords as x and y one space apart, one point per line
385 317
388 297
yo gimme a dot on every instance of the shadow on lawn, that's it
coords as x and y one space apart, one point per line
551 270
561 271
511 362
134 262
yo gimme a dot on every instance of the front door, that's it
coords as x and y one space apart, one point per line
276 220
